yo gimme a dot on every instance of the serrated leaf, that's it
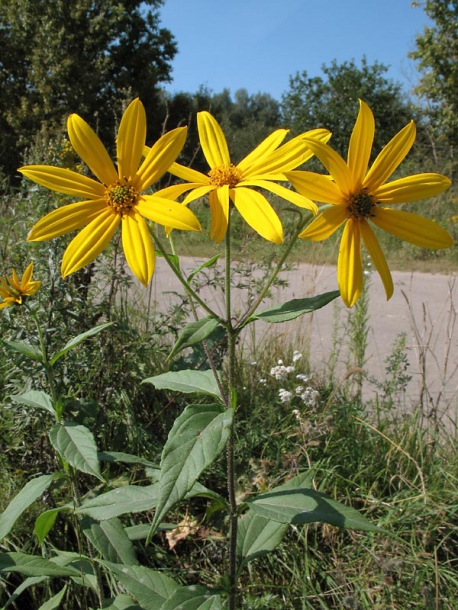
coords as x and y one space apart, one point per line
36 399
110 539
149 587
197 438
27 496
25 349
77 340
304 505
128 499
188 382
76 444
121 602
55 601
193 598
119 457
192 333
32 565
294 308
28 582
257 536
210 263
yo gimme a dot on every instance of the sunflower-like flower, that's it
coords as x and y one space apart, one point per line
13 290
227 182
117 198
359 196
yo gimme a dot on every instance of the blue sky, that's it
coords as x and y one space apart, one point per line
258 44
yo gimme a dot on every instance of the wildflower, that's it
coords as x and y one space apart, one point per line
281 371
357 196
117 199
296 356
302 377
284 395
226 182
13 291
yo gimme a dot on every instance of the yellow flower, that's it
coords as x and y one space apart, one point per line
117 198
12 290
227 182
359 196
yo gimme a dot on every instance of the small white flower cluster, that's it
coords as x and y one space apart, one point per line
281 371
285 396
305 392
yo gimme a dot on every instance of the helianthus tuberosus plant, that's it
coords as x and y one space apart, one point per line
203 431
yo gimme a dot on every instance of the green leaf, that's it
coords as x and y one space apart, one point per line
305 505
28 582
77 340
110 539
76 445
25 349
27 496
197 438
45 522
210 263
32 565
125 458
149 587
193 333
188 382
54 602
193 598
257 536
128 499
36 399
121 602
294 308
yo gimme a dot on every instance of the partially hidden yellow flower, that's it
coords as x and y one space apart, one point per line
226 182
13 291
359 196
118 197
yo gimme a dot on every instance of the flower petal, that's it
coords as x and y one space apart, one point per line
186 173
283 159
138 246
268 145
89 147
411 188
334 163
412 228
349 265
167 213
27 276
390 157
258 213
360 147
377 257
219 206
66 219
198 192
90 242
160 158
131 139
63 181
212 140
325 224
316 187
174 191
283 192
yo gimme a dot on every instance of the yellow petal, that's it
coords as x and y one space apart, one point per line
186 173
377 257
359 150
90 242
316 187
283 192
334 163
131 139
89 147
137 246
325 224
287 157
219 206
212 140
412 228
15 280
27 276
412 188
31 288
258 213
268 145
390 157
349 265
198 192
160 158
63 181
167 213
174 191
66 219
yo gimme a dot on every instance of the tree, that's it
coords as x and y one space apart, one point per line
437 56
332 102
84 56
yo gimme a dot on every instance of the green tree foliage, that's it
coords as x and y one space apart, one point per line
437 55
332 102
84 56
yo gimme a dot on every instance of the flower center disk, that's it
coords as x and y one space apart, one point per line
121 196
360 205
225 174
